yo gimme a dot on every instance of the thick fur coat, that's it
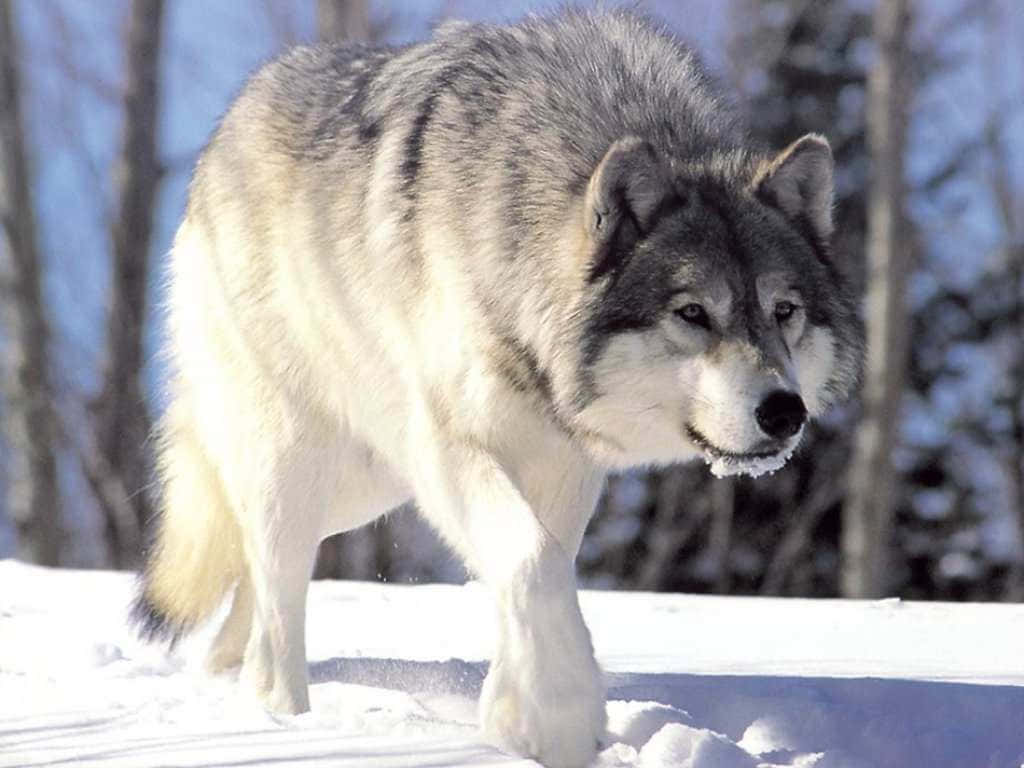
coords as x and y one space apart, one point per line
478 272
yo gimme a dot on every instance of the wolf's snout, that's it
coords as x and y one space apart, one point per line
781 414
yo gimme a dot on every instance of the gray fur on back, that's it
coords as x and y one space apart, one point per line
521 114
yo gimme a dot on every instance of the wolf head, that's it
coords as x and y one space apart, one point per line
717 321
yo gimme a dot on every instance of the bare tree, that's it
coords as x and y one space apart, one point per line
121 465
867 514
343 20
1009 205
369 551
682 507
28 410
1009 211
823 494
362 553
723 503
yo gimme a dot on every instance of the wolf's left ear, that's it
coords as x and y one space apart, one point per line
625 195
798 181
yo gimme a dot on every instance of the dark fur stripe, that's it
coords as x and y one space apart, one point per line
152 624
410 168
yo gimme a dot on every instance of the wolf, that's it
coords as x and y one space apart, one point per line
480 272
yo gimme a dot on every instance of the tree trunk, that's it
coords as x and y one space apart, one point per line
365 553
343 20
1009 200
1015 588
670 529
867 515
29 417
121 417
824 493
723 503
1007 205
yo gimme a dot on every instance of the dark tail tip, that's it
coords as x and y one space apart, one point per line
152 624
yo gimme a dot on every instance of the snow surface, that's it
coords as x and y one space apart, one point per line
694 682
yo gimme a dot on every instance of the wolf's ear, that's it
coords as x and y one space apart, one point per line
625 194
798 181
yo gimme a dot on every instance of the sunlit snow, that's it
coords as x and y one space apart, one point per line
694 682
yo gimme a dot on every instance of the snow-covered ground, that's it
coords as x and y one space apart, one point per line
694 682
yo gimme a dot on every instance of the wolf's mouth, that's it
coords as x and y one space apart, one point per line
720 453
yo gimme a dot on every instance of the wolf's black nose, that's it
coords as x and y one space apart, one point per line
781 414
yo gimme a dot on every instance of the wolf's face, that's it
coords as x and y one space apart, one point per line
718 324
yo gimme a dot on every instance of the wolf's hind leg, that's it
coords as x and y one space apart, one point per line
228 648
280 473
275 654
280 549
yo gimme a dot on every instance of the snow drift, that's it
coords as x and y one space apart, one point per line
694 682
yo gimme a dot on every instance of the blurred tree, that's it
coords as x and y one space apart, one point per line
867 513
1008 198
370 552
120 467
959 505
1010 204
347 20
799 67
364 553
28 413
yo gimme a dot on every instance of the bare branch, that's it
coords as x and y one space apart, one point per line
121 420
867 514
29 420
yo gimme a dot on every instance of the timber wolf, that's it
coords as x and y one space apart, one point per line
478 272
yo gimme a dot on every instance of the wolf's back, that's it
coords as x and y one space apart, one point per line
532 102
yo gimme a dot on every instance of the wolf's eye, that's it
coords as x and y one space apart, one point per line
784 310
694 313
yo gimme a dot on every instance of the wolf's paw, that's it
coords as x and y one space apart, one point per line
279 694
285 700
552 711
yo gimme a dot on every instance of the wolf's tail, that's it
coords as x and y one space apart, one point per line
196 552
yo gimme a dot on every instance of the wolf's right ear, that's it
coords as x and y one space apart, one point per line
624 197
798 181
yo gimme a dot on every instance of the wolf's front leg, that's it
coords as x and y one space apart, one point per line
544 695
